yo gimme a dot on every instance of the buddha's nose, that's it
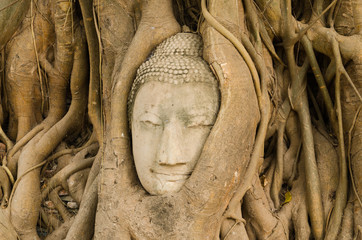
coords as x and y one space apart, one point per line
170 148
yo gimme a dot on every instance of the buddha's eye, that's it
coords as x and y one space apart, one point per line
199 122
150 120
151 123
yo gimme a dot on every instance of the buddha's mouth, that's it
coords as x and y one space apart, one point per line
174 176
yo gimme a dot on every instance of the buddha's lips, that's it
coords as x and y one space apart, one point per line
172 176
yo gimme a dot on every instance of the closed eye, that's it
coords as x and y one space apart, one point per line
150 123
200 121
150 120
197 123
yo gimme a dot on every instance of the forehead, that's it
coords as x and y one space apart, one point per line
195 95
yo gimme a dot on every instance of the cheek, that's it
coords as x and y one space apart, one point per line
145 144
194 140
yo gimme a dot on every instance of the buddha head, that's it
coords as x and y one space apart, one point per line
172 107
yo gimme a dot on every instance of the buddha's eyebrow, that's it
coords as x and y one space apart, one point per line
145 112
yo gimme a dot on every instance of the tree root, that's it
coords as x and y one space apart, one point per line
94 101
346 232
328 169
12 158
241 49
50 221
292 154
59 205
76 184
262 220
357 194
341 194
28 194
61 232
5 187
299 103
233 230
94 170
263 101
279 168
82 227
63 174
321 83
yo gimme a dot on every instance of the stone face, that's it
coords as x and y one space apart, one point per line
169 128
174 103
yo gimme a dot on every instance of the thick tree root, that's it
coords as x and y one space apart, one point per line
262 220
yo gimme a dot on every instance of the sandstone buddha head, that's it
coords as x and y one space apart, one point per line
173 105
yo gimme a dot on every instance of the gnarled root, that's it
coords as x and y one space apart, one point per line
76 184
63 174
346 232
83 225
61 232
264 223
26 201
4 187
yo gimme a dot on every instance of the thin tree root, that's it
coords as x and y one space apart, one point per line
94 102
349 156
59 205
292 155
341 193
279 168
11 160
50 220
72 168
80 228
20 178
299 102
72 151
7 170
61 232
5 187
321 83
9 144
